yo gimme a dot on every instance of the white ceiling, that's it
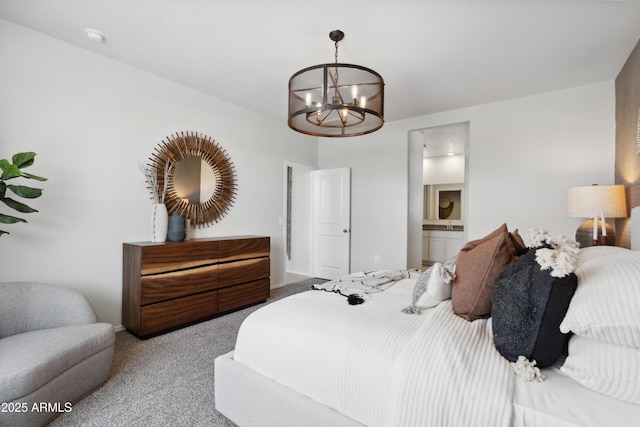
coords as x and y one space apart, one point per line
433 55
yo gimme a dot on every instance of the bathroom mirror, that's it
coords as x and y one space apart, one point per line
443 202
201 181
449 203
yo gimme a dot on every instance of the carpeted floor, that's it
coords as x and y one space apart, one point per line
166 380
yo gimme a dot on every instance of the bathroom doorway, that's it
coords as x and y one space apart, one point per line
437 187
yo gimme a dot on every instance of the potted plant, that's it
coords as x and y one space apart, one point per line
12 170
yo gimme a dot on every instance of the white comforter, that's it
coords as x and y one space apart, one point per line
378 365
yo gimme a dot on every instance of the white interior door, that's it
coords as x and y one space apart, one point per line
331 222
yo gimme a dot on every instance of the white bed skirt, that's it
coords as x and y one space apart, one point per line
253 400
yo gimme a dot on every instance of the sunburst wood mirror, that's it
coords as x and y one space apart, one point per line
201 183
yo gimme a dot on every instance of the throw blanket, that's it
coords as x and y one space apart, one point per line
450 374
366 282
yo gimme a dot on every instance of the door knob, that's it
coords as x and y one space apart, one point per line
346 230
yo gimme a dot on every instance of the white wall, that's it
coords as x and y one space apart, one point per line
379 202
443 170
92 121
523 156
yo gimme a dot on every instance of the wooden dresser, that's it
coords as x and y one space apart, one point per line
169 285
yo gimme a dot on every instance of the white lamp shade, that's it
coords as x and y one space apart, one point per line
589 201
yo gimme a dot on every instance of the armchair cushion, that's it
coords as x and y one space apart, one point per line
32 359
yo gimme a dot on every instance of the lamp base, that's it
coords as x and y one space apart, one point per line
584 235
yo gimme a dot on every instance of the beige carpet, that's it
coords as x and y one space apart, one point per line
166 380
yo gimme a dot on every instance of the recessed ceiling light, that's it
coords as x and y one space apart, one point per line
94 35
450 153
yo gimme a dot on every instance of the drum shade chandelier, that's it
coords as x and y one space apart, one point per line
336 100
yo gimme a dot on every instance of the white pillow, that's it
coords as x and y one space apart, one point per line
432 287
438 288
591 252
605 305
609 369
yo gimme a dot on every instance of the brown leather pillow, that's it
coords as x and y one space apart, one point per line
479 264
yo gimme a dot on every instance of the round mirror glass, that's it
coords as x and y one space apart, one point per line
194 180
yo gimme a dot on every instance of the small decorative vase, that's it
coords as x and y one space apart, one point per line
176 228
159 222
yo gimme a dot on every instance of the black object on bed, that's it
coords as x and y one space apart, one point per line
527 309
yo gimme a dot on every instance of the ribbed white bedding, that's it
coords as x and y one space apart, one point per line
560 401
450 374
377 365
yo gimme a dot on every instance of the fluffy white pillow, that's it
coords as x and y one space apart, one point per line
438 288
605 305
432 287
610 369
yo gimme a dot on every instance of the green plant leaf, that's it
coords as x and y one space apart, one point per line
9 170
12 170
30 176
23 160
26 192
8 219
20 207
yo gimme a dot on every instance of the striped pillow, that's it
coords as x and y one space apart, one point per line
606 303
609 369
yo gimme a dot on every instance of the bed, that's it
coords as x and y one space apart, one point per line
313 359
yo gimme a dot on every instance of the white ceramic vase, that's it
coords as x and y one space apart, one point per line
159 222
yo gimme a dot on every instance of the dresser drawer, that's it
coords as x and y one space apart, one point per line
160 258
243 295
164 286
177 312
233 273
243 248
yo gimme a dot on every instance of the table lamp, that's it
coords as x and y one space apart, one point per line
596 202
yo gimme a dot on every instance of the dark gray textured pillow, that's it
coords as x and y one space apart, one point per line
527 308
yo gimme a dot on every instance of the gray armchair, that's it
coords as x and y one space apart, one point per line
53 351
